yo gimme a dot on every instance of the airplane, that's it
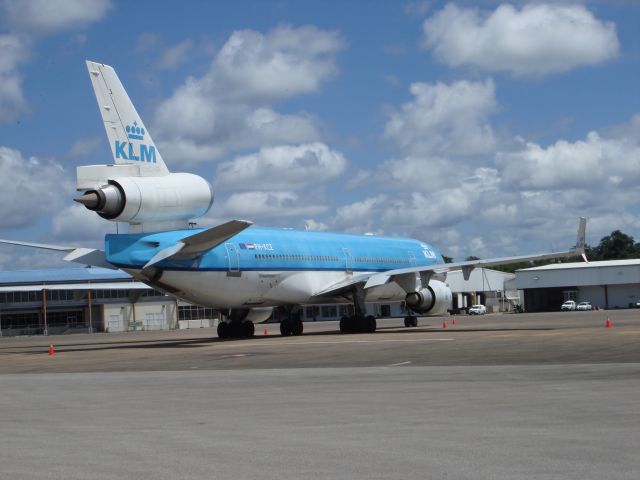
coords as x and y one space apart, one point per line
242 270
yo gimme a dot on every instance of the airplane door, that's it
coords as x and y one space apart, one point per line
412 258
348 260
233 258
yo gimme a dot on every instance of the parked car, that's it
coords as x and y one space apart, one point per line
568 305
638 304
477 310
584 306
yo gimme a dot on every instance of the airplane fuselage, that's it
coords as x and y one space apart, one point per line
267 266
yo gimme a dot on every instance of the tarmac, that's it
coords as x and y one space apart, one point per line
544 396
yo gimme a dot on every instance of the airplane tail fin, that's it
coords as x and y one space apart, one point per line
129 139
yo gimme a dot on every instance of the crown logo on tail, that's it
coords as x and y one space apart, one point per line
134 132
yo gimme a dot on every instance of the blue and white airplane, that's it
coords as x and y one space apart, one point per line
240 269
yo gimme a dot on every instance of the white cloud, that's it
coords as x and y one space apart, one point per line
311 224
445 119
416 8
478 246
593 164
80 227
14 51
26 258
230 107
39 185
26 18
539 39
47 16
85 146
255 205
175 55
359 216
283 63
281 167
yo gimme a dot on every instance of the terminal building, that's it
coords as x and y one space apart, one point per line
608 284
69 300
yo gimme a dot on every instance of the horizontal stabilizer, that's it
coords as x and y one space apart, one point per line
89 256
195 245
44 246
86 256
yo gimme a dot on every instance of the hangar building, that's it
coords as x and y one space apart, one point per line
606 284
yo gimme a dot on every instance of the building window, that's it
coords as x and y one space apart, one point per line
329 311
196 312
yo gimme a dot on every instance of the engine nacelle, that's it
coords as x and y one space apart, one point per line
255 314
434 300
176 196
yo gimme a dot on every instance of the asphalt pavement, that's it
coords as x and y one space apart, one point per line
496 397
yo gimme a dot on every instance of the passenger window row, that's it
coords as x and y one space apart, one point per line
395 261
307 258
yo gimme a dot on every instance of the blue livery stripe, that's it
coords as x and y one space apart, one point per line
270 249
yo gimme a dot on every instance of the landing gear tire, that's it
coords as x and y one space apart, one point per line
297 327
248 329
291 327
370 324
410 321
285 328
344 324
224 330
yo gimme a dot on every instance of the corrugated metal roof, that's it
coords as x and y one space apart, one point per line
56 275
605 263
75 286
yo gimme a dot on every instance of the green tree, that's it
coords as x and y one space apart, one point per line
617 245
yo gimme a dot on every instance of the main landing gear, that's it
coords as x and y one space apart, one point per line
236 329
411 321
292 324
360 322
236 325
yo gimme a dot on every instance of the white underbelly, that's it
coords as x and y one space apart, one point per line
253 288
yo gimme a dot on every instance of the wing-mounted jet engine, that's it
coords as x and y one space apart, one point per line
435 299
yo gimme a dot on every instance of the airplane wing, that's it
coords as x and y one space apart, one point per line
86 256
371 280
195 245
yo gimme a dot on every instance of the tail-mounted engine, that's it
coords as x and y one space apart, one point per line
435 299
149 199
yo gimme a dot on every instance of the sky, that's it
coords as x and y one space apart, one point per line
485 128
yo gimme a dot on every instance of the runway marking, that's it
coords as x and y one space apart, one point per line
399 364
338 342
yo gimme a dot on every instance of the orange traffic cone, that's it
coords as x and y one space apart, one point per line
453 322
607 323
266 331
444 324
52 352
